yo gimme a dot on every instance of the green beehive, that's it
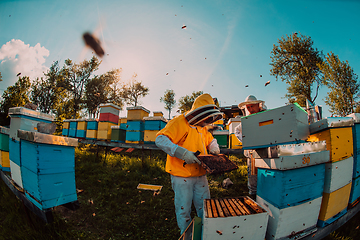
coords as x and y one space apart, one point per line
118 134
222 137
4 139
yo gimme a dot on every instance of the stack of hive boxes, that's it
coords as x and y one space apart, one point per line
355 186
337 132
81 128
135 124
4 149
91 128
109 116
233 218
234 142
65 127
72 127
47 168
122 122
23 119
291 172
152 125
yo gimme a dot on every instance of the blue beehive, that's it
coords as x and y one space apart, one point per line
80 133
65 132
134 136
291 187
154 123
72 128
355 190
92 124
135 126
48 168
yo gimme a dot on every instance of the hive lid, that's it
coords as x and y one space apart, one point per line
156 118
4 130
355 116
30 113
47 138
109 105
138 108
221 132
331 122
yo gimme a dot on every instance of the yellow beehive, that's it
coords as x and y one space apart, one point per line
81 125
4 159
66 124
91 134
137 113
150 135
105 125
104 135
339 142
122 120
234 142
334 202
158 114
219 122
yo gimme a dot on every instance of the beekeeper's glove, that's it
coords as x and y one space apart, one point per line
186 155
214 147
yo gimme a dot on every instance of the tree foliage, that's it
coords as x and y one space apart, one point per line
103 89
340 78
186 102
169 100
295 61
133 91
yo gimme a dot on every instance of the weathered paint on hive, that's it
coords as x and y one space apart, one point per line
16 173
150 135
338 174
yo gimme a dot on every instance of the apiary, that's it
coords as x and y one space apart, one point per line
233 218
154 123
150 136
232 124
26 119
222 137
234 142
65 127
287 124
291 187
355 190
338 174
334 205
48 168
137 113
338 141
117 134
286 222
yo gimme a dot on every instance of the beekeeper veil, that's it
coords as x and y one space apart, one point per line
251 99
203 111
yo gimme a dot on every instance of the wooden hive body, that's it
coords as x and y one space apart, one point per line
289 221
234 142
276 126
91 134
4 161
137 113
118 134
338 174
104 130
222 137
291 187
136 125
236 218
150 136
109 117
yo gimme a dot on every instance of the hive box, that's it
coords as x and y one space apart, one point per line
355 190
4 161
26 119
338 174
287 124
16 173
158 114
66 124
134 136
117 134
137 113
48 168
150 136
236 218
293 161
65 132
232 124
222 137
4 139
154 123
291 187
80 133
334 205
234 142
109 117
92 124
133 125
91 134
81 124
72 127
331 122
292 220
109 108
338 141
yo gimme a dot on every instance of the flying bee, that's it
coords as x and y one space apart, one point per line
94 43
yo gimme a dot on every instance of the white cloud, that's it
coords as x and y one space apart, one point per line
18 57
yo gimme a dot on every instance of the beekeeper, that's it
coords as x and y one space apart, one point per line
180 139
251 105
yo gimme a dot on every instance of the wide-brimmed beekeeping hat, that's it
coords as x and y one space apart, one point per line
251 99
203 110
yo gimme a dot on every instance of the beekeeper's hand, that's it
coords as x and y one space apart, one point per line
186 155
214 147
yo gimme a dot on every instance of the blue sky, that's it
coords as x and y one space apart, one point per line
226 44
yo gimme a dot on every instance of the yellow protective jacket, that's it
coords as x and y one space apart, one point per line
193 138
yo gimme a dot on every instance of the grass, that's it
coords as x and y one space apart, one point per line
111 206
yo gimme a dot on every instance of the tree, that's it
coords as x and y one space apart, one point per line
186 102
103 89
133 91
340 78
76 76
15 96
169 100
296 62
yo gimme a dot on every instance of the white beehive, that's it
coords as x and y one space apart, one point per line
234 218
287 124
338 174
289 221
331 122
233 123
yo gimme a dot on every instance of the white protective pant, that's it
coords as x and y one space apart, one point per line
188 190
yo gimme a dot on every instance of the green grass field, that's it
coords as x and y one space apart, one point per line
111 206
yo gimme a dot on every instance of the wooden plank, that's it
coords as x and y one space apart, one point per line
236 209
218 207
229 207
240 206
224 208
130 150
253 205
213 207
208 209
243 206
